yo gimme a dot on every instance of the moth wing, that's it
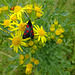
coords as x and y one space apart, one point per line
26 33
31 34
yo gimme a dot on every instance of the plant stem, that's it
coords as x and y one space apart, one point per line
6 54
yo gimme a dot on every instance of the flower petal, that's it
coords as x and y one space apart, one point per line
36 27
39 38
20 48
11 34
14 29
10 38
11 46
23 44
16 49
26 39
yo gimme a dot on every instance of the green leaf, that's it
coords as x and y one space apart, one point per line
9 69
64 13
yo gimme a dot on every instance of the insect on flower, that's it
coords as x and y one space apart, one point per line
29 30
12 8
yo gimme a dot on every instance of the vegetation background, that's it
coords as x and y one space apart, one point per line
49 7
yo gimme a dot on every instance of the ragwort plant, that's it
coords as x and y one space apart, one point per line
43 55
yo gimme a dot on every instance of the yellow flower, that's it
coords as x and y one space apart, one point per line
36 62
18 10
56 22
29 11
14 18
31 43
61 30
28 71
30 66
17 41
61 36
21 62
7 23
32 59
29 8
52 25
37 9
39 14
26 56
59 25
52 29
34 47
4 8
21 27
21 57
41 33
57 32
59 41
52 37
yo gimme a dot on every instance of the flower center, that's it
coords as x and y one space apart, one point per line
17 8
37 9
16 41
22 27
41 32
7 22
14 18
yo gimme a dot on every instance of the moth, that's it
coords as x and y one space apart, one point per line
28 31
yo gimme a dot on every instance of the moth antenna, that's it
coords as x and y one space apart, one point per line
27 15
29 18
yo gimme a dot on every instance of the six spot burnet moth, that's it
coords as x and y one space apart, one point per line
29 30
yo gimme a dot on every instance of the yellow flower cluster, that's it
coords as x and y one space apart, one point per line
17 26
36 62
18 10
30 66
22 57
38 10
56 30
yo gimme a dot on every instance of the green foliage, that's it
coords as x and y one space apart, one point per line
54 59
